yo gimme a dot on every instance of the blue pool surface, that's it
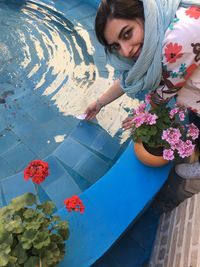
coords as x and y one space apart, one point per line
46 71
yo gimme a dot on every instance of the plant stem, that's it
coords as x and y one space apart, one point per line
37 193
40 262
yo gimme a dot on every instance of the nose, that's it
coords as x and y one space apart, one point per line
126 49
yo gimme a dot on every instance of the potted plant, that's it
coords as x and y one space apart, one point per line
163 132
31 234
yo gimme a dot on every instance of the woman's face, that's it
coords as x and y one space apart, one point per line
125 36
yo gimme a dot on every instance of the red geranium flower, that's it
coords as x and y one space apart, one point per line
74 203
172 52
193 12
37 170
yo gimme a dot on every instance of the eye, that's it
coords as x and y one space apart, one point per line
114 47
128 34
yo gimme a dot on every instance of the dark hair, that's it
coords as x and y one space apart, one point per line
118 9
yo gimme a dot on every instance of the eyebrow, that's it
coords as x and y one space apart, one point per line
120 34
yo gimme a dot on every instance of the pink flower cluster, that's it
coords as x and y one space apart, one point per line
183 148
143 116
181 113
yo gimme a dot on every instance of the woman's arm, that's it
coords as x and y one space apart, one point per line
107 97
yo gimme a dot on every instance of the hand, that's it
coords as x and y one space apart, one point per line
92 110
127 123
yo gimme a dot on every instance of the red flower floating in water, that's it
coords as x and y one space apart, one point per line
37 170
173 52
74 203
193 12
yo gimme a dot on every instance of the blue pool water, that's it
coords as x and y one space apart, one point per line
50 67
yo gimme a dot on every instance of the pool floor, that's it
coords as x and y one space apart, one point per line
42 124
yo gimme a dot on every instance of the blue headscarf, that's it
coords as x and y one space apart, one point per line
145 74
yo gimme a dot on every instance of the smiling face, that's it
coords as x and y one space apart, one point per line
125 36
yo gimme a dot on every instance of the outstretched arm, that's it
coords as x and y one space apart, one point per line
107 97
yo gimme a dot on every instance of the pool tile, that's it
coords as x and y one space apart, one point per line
70 152
91 167
5 168
80 12
106 145
82 183
59 126
61 189
19 156
86 132
43 113
23 126
8 139
15 185
37 142
56 171
1 198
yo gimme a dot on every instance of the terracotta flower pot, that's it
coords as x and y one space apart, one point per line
147 158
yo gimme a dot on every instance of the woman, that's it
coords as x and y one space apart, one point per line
158 45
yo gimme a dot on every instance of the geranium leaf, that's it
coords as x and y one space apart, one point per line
32 262
64 233
48 207
4 234
20 253
27 238
15 225
5 212
29 213
41 240
4 258
22 201
5 248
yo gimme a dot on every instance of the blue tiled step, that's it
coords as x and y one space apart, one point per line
57 187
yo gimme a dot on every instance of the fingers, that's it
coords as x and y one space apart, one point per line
127 123
90 114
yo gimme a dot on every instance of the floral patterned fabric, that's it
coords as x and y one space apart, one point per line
181 59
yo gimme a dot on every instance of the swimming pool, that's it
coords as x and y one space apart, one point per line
51 68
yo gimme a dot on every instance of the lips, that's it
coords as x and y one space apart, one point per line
137 53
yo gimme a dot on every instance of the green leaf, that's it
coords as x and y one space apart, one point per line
29 213
6 212
52 256
55 218
56 238
32 262
27 238
15 225
47 207
41 240
12 261
35 224
20 254
5 248
4 258
62 225
22 201
4 234
64 233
